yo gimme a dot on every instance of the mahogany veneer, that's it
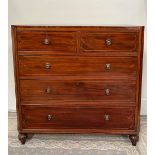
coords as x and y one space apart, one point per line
78 79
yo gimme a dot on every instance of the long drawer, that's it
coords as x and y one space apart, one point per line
47 117
91 90
86 66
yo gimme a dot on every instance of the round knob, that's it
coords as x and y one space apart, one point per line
49 117
107 66
108 42
107 92
46 41
48 90
47 65
106 117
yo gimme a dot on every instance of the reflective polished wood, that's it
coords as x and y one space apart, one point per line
78 79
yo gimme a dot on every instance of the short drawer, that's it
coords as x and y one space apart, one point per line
91 90
106 42
107 67
46 41
47 117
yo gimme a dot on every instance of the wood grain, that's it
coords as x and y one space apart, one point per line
84 118
57 41
65 71
89 90
119 42
78 65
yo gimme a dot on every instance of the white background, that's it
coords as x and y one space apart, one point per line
76 12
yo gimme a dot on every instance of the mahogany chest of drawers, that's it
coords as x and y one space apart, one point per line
81 79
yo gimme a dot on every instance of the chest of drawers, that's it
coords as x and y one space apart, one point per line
78 79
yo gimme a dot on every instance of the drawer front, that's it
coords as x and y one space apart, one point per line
45 117
78 90
46 41
105 42
52 65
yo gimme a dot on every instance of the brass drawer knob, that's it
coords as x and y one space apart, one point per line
46 41
107 66
106 117
107 92
47 65
108 42
49 117
48 90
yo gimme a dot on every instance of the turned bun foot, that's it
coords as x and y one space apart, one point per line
22 137
134 139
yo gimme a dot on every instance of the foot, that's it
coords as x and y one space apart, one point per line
134 139
22 137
